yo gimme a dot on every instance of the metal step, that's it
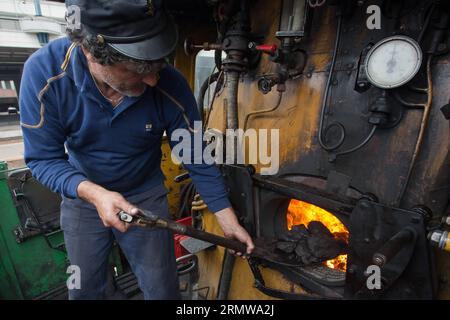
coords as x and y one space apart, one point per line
128 284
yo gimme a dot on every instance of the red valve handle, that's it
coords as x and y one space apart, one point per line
267 48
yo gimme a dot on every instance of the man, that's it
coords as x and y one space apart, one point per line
107 97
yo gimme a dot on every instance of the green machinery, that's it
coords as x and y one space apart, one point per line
33 261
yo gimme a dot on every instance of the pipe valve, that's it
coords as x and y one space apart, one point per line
191 48
269 49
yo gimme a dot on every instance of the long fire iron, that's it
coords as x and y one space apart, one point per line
147 219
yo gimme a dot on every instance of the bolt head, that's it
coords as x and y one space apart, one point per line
378 261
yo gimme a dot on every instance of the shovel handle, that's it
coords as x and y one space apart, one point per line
235 245
179 228
201 235
214 239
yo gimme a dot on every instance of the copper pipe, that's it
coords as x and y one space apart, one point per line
423 126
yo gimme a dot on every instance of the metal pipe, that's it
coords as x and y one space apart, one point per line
201 96
225 276
232 101
256 204
232 67
211 105
231 104
299 15
410 105
359 146
391 248
280 95
327 88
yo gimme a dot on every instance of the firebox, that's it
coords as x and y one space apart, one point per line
344 239
302 219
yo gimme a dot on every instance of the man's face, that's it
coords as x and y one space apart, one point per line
123 77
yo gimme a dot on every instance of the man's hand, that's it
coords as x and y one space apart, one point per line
108 204
232 229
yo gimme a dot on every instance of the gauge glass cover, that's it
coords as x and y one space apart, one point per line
393 61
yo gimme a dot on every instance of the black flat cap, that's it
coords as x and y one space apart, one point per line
140 29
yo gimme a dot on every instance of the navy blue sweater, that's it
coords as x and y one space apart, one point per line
117 148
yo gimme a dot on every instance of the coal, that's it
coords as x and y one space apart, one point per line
297 233
318 228
313 244
288 237
286 247
322 243
300 230
323 248
302 251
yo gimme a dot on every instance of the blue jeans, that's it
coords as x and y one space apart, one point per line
150 252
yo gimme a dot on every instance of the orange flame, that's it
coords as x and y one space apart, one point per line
300 212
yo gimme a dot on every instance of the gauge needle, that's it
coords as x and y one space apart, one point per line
391 63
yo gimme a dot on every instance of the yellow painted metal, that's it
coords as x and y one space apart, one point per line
443 268
186 65
170 171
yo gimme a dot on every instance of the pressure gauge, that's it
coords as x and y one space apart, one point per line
393 61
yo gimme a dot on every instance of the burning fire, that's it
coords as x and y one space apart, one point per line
300 212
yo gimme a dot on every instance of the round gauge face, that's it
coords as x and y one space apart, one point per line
393 61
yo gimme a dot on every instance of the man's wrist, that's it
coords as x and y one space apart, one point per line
219 204
226 215
90 191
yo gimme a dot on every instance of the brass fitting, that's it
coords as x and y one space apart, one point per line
440 239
